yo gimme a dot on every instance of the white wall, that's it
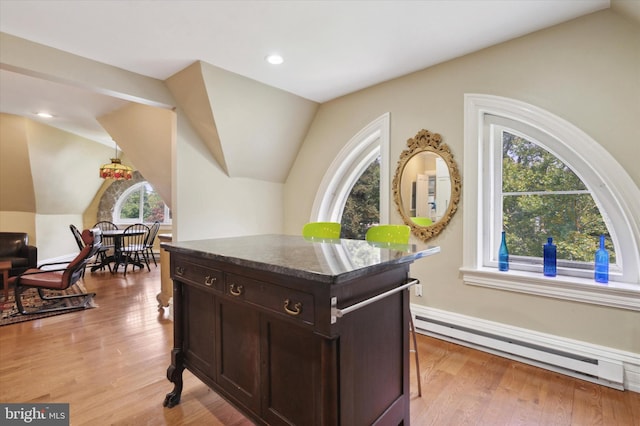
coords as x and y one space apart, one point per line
210 204
55 239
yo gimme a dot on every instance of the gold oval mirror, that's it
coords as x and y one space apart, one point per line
427 185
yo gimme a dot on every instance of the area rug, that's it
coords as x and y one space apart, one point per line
30 299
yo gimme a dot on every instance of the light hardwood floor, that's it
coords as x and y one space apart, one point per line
110 364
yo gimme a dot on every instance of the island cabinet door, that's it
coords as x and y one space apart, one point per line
299 375
239 353
374 358
199 330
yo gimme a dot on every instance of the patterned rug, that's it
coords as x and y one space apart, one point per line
31 300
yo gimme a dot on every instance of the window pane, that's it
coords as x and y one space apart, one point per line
130 208
528 167
573 221
362 208
153 206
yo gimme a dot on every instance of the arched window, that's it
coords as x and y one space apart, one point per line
140 203
535 195
535 174
369 145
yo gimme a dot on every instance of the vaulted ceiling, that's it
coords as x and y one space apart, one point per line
215 50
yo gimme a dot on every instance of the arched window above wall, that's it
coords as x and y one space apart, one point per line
114 195
504 137
367 146
140 203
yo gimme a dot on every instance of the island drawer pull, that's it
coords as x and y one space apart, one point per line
297 308
236 290
209 280
179 270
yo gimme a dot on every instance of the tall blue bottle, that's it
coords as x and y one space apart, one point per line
503 254
601 273
549 258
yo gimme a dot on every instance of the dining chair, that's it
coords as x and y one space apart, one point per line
151 238
328 230
397 234
133 249
105 225
53 277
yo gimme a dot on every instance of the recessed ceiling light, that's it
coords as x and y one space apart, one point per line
44 115
274 59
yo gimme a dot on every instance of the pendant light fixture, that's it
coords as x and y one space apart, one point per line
116 170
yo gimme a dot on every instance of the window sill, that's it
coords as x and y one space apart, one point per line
614 294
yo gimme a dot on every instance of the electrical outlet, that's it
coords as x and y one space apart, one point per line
418 290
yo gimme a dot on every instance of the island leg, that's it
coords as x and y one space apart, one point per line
174 374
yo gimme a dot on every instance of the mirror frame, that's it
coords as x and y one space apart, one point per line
425 141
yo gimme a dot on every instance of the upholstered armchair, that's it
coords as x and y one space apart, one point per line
15 248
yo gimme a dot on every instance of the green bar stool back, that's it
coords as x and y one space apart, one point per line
392 234
322 230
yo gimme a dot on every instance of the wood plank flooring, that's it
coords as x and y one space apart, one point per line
110 364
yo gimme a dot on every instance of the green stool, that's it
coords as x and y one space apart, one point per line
321 230
391 234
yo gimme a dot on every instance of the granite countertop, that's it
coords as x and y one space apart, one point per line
321 260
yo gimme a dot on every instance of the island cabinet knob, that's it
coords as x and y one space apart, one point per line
209 280
179 270
235 289
296 310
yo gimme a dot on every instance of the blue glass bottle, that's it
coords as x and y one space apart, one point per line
601 273
503 254
549 258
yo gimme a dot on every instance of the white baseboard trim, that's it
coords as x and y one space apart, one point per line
599 364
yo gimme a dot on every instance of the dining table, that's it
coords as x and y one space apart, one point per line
117 258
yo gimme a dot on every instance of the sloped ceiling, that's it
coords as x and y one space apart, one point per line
15 167
146 134
253 130
189 90
45 170
324 43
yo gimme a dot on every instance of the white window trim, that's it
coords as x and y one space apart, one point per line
613 189
354 158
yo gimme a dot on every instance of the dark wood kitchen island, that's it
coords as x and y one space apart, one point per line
295 331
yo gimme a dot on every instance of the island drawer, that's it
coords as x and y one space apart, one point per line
199 275
280 300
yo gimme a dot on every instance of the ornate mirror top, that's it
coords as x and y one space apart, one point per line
427 185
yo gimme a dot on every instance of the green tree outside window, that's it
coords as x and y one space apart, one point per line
143 204
542 197
362 209
131 207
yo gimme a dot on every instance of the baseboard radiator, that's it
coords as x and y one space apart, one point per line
591 368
